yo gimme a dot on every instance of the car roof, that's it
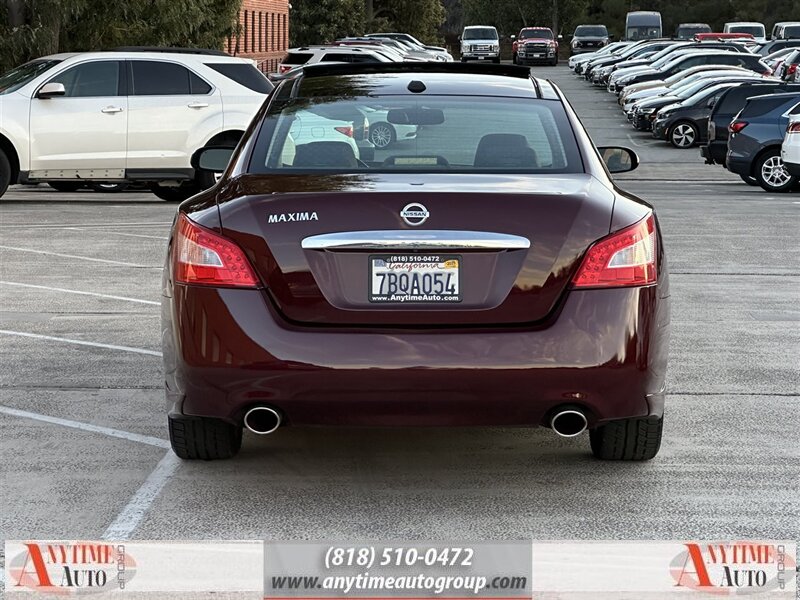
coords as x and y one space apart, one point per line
441 78
781 96
480 27
137 54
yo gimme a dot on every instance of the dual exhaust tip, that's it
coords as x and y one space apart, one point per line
569 423
263 420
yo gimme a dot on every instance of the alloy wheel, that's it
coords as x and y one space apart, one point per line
381 135
774 174
683 136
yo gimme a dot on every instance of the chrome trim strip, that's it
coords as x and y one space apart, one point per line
417 240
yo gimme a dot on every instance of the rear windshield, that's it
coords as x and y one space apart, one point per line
297 58
591 31
536 33
761 106
480 33
687 33
411 134
244 74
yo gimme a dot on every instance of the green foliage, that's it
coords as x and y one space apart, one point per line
319 21
509 16
75 25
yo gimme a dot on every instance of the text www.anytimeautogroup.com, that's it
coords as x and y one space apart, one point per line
438 584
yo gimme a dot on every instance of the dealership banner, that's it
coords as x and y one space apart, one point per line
454 570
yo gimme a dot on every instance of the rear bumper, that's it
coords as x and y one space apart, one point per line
738 165
606 351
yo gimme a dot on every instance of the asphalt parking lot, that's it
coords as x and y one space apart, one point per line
84 451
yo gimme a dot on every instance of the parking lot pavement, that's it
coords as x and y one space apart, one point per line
83 451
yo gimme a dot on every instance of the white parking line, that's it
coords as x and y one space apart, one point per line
136 235
134 512
55 289
87 258
64 225
80 342
109 431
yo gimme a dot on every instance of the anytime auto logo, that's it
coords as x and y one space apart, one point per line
733 568
72 568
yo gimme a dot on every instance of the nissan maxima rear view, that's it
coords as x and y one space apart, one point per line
487 272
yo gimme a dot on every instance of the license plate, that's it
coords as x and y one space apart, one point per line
429 278
537 56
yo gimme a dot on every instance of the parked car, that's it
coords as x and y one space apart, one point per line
687 31
599 70
535 45
788 66
685 125
588 38
405 37
790 149
693 59
383 133
454 291
775 45
309 55
480 42
786 30
656 87
729 104
642 25
134 115
755 139
753 28
576 61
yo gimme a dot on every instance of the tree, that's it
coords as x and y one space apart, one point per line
420 18
319 21
38 27
509 16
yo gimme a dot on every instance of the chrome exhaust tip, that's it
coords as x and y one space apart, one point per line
569 423
262 420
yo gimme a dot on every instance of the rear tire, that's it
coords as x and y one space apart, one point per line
749 180
175 194
5 172
554 62
65 186
194 438
627 439
771 174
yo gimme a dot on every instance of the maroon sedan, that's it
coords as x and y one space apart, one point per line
486 272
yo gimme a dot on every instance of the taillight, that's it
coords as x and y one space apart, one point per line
202 257
625 258
737 126
792 69
793 128
346 130
285 68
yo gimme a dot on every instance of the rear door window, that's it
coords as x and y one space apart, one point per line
297 58
160 78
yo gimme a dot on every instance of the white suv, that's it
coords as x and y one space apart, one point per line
311 55
123 116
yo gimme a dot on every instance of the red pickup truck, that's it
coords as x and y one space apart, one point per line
535 45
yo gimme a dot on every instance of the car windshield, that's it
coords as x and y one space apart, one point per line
591 31
643 33
536 33
754 30
791 31
14 79
704 95
480 33
432 134
691 90
687 33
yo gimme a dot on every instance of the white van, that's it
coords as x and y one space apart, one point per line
642 25
480 42
755 29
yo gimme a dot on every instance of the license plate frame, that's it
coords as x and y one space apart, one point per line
410 265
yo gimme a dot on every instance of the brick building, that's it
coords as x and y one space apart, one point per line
264 32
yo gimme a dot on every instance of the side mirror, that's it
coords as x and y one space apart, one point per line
513 37
212 158
619 159
560 37
51 90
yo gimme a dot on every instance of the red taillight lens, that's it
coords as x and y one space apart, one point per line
285 68
792 69
202 257
346 130
625 258
793 127
737 126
